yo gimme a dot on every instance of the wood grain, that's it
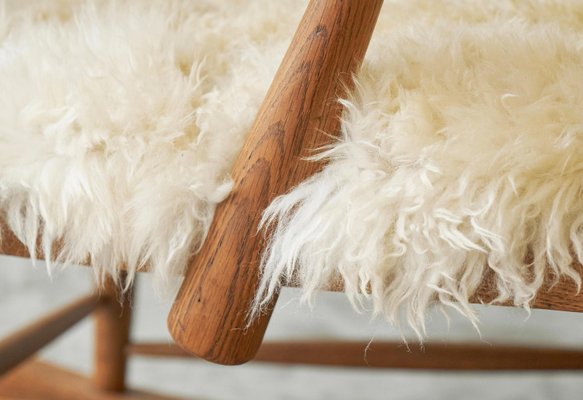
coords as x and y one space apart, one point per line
112 332
452 356
209 315
22 344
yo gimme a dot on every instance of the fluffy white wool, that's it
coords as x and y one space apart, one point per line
461 152
119 121
461 148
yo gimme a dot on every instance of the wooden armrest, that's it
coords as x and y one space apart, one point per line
209 316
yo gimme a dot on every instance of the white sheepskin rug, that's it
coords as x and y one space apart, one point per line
120 120
461 149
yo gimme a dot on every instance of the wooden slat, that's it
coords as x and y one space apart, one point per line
558 296
562 296
395 355
157 350
11 246
300 110
38 380
25 342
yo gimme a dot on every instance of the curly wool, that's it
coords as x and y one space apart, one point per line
120 120
461 153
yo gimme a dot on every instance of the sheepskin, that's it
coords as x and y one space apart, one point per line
120 120
460 153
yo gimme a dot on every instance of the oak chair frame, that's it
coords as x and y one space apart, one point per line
209 316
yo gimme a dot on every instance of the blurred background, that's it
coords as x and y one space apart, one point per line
27 292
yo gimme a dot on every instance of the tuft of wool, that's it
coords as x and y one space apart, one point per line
120 120
461 154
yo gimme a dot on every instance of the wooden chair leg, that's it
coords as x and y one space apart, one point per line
112 328
209 316
19 346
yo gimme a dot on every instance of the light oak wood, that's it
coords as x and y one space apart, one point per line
112 332
27 341
209 315
395 355
37 380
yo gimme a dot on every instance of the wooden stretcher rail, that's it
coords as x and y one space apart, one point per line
433 356
22 344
